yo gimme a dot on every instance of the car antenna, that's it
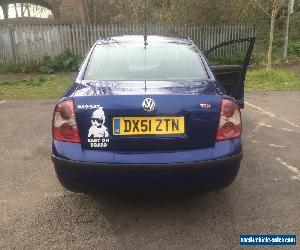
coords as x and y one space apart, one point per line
145 42
145 26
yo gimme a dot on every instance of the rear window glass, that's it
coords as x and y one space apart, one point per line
131 61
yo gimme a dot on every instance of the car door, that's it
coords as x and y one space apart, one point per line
229 62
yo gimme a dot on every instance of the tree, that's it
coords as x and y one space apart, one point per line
274 6
286 38
16 10
5 10
191 12
277 5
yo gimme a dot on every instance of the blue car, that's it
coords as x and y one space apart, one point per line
152 112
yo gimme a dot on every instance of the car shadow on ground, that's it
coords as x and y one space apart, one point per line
129 215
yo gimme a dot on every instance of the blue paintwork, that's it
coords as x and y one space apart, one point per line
75 152
172 98
200 123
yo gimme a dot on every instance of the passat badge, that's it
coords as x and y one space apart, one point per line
148 104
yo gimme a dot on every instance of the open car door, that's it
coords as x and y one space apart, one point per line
229 62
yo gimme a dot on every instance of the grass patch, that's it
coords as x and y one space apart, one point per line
276 79
36 87
45 86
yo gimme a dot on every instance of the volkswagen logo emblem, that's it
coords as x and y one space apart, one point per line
148 104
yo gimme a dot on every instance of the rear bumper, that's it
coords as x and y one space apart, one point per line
210 174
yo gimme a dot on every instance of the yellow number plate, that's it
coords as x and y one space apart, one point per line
148 125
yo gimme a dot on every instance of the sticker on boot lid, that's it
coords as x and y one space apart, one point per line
98 136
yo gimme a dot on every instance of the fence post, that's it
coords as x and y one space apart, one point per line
12 42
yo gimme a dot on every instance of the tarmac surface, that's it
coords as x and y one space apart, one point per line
37 213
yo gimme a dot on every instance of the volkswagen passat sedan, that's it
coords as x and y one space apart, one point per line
151 112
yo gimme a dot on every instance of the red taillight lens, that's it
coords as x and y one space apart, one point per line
230 121
64 123
229 108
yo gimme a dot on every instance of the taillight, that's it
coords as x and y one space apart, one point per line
230 121
64 123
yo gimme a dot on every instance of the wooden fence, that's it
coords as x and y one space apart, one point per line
29 43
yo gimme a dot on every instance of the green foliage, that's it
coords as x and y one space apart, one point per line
223 59
258 57
295 23
192 12
4 83
294 50
31 81
17 68
64 62
276 79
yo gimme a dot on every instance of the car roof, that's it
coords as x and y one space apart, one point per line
150 39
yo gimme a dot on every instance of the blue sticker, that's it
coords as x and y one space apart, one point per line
116 126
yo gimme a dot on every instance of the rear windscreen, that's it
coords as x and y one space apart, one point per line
134 61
